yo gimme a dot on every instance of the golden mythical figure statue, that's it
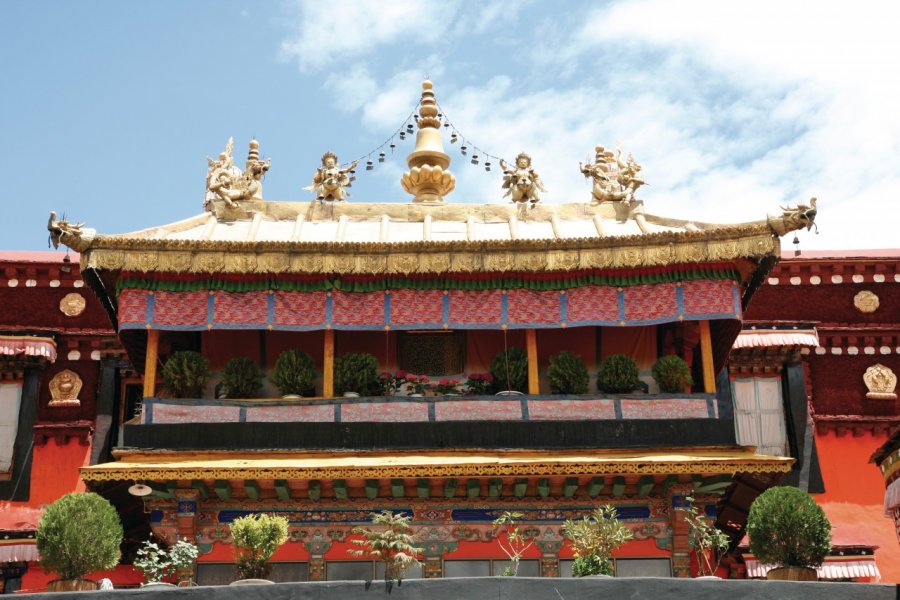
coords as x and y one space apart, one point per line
614 179
522 182
330 180
224 181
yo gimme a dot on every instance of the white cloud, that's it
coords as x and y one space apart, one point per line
327 32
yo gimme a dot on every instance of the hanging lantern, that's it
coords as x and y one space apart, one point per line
370 166
409 128
796 243
446 123
453 138
487 166
381 156
393 145
474 159
462 149
402 135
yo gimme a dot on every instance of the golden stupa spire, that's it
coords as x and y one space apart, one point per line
429 178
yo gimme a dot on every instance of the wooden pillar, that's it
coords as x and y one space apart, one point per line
328 365
150 361
709 375
531 343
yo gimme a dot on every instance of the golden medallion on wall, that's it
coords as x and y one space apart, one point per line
64 389
72 304
866 301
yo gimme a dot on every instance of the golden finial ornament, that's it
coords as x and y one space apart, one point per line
429 178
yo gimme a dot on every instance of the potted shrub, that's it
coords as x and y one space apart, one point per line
356 373
294 374
787 528
509 370
78 534
618 374
153 563
185 374
254 539
447 387
418 384
183 555
390 543
241 378
567 374
672 374
594 539
478 384
707 541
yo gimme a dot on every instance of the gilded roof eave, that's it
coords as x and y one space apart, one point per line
167 465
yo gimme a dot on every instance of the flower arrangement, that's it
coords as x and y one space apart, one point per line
447 386
389 383
478 384
418 384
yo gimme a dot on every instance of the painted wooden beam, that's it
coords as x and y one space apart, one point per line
398 490
570 486
618 487
495 487
251 488
371 488
198 485
543 487
166 491
450 488
595 486
328 365
645 486
667 483
423 488
473 488
520 488
706 352
152 357
713 485
531 345
340 489
282 490
223 489
314 489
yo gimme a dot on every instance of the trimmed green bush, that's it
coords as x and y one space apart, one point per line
254 539
241 378
567 374
672 374
618 374
357 372
185 374
78 534
787 528
294 373
517 361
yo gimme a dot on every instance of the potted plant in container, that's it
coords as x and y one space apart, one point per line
78 534
618 374
516 541
241 378
183 555
153 563
294 374
478 384
356 374
707 541
509 371
254 539
418 384
185 374
567 374
389 543
594 539
447 387
672 374
787 528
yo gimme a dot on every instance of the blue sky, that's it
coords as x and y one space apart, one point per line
110 108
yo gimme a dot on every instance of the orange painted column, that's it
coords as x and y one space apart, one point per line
709 375
328 365
531 345
150 363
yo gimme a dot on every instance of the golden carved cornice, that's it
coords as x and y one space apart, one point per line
531 255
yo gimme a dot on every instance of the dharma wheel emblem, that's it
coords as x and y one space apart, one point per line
64 389
881 382
866 301
72 304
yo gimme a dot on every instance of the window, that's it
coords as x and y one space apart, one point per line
362 570
10 401
486 568
432 352
225 573
630 567
759 415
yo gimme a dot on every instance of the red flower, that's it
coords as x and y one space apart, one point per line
402 375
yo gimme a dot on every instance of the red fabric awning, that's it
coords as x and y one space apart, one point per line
776 337
18 551
12 345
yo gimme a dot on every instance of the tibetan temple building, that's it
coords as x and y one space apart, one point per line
440 288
